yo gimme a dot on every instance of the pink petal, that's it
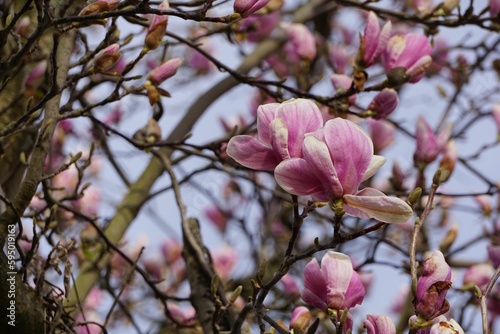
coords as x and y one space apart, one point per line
314 292
265 114
375 164
252 153
351 150
417 70
385 34
394 49
295 177
320 164
416 47
371 37
374 204
337 272
301 116
279 138
355 292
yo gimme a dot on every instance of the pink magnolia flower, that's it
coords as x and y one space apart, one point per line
89 324
23 26
281 129
494 7
479 275
337 158
335 285
373 42
88 204
224 260
290 285
432 286
166 70
379 324
157 27
428 145
411 51
301 44
301 320
184 316
382 134
247 7
384 103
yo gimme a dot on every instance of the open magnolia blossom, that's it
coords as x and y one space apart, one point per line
281 129
337 158
336 285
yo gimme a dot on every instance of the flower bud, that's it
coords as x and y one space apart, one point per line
479 275
373 42
495 112
301 320
247 7
157 28
494 7
100 6
165 71
449 160
106 58
384 103
494 255
484 204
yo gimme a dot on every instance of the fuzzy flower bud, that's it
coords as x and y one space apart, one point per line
247 7
100 6
157 27
107 58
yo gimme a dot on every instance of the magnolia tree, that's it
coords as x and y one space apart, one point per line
351 186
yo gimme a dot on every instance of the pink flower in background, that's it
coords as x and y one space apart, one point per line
280 133
185 316
374 41
157 27
91 327
217 217
224 260
35 77
384 103
171 250
411 51
379 324
247 7
339 58
301 44
494 254
88 204
335 285
342 83
290 285
382 133
479 275
428 145
337 158
432 287
259 27
494 7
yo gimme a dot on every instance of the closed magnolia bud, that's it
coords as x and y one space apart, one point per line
384 103
449 239
164 71
301 320
157 28
247 7
449 160
107 58
100 6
